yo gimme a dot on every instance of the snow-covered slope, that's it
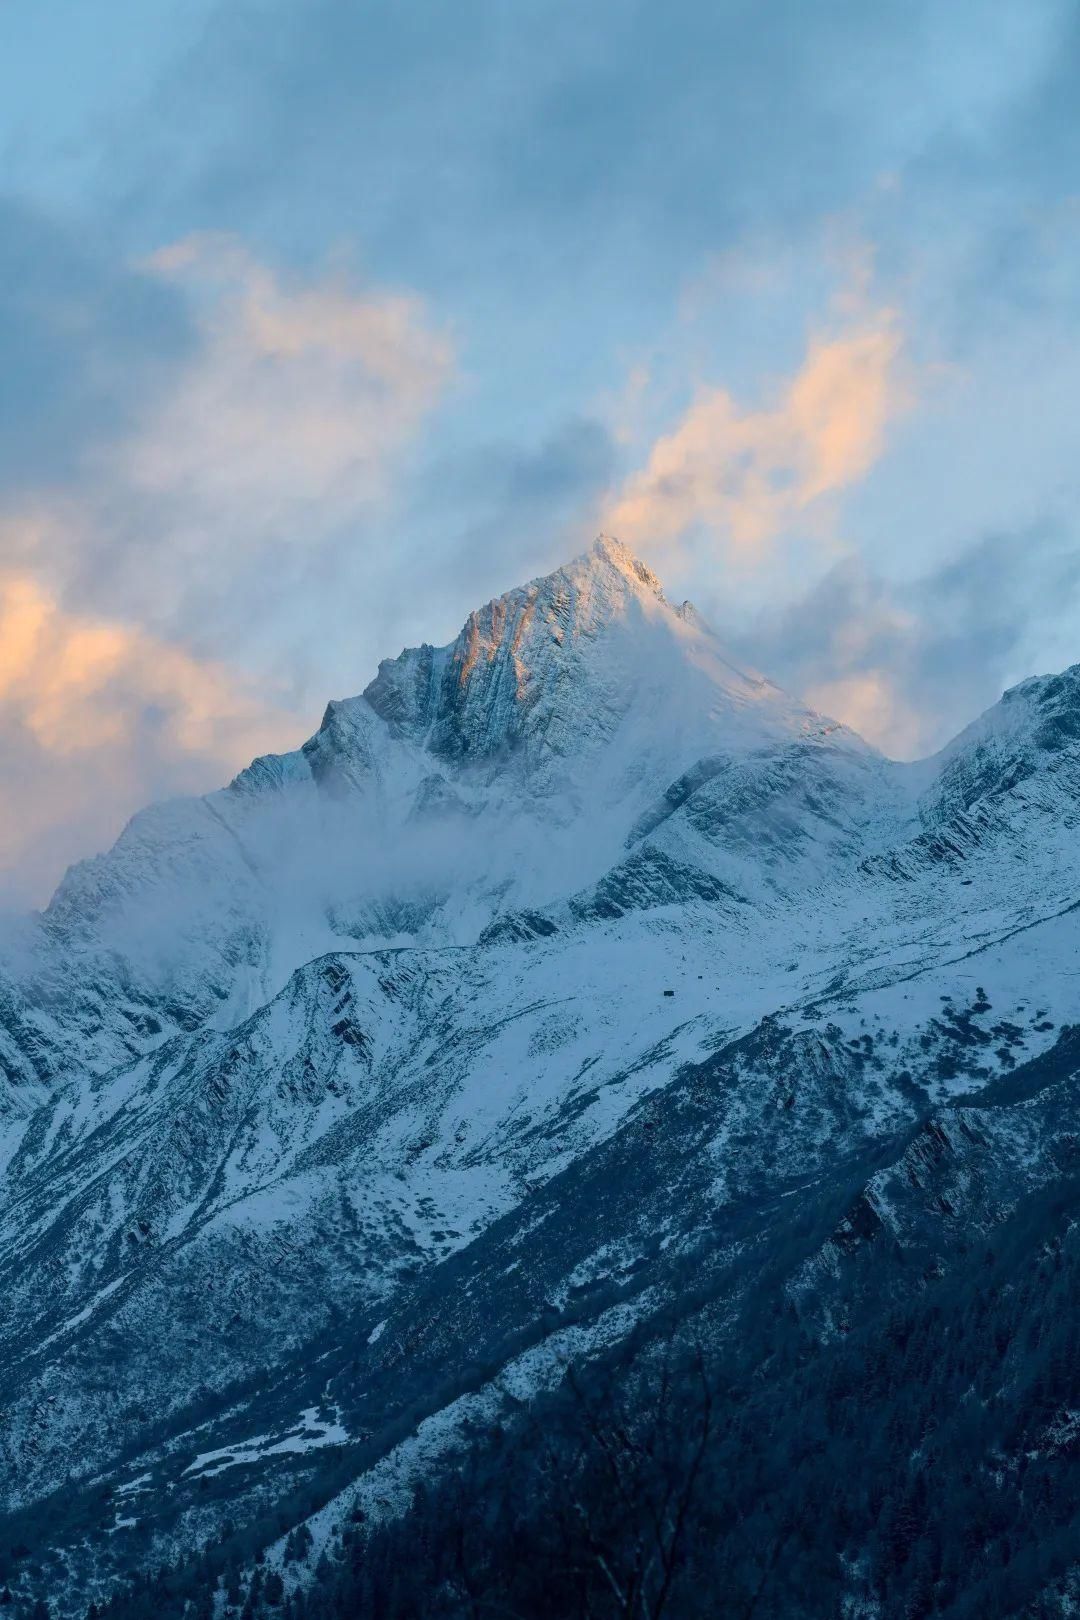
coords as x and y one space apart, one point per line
564 960
504 770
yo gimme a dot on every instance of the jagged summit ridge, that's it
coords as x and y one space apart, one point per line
470 699
555 666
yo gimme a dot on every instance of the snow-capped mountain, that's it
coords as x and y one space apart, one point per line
565 959
503 771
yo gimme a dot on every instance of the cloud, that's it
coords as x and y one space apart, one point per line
209 523
96 719
296 394
628 125
494 512
283 427
261 465
744 476
88 345
909 663
872 704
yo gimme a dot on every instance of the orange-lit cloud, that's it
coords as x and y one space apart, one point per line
868 637
284 424
96 718
297 394
745 475
873 703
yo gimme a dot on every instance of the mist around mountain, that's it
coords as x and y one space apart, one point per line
585 1135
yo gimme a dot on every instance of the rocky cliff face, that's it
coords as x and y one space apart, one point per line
567 962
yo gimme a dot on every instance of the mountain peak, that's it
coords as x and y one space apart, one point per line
554 669
530 652
600 585
606 551
470 696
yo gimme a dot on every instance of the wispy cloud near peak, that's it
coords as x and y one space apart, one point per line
742 476
97 718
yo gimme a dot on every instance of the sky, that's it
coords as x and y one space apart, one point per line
323 323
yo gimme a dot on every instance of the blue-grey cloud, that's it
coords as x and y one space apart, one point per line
911 663
87 345
481 520
673 127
